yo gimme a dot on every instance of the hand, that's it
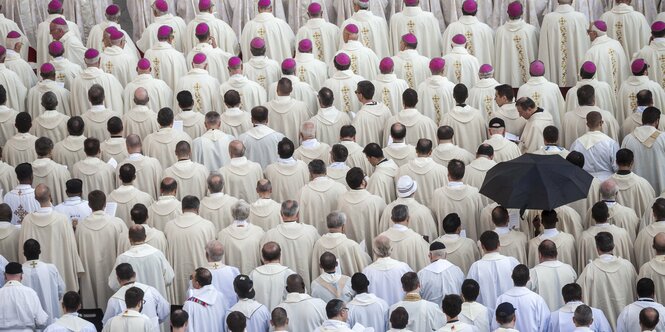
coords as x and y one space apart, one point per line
536 225
213 42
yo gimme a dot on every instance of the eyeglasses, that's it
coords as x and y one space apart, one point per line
344 309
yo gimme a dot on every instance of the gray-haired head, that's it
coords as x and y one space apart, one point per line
214 251
335 220
240 210
215 182
382 246
583 316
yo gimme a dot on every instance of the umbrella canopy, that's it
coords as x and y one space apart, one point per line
541 182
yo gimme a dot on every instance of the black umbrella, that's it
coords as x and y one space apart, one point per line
541 182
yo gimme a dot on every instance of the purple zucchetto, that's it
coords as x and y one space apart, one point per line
470 6
59 21
437 64
288 64
314 8
305 46
205 5
459 39
161 5
54 5
13 35
143 64
409 38
637 66
202 29
257 43
264 3
112 10
199 58
386 65
235 62
600 25
589 67
515 9
116 34
46 68
164 31
537 68
352 28
342 59
486 69
55 47
410 2
658 26
91 53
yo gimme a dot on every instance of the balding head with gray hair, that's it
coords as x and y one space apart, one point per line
307 130
289 210
335 221
608 189
215 182
240 210
214 251
141 96
382 246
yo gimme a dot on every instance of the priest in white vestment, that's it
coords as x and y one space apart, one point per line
601 278
351 257
342 83
389 86
201 85
504 149
66 70
222 34
166 207
562 319
70 320
49 172
252 94
161 144
140 119
492 271
574 122
536 120
30 316
627 95
206 306
319 197
374 32
148 170
468 123
646 142
563 43
211 148
385 272
440 277
279 37
331 284
413 19
20 148
382 181
14 62
107 232
295 238
7 25
56 235
48 83
187 236
483 93
257 317
519 40
270 278
446 151
474 313
43 32
159 92
629 318
525 300
286 112
96 36
44 278
605 95
460 251
75 208
305 313
11 81
240 173
544 93
423 315
126 195
507 110
324 35
420 216
206 44
608 55
366 308
149 262
161 15
261 141
628 26
549 276
115 61
652 52
51 123
462 66
241 239
309 69
436 92
645 249
409 64
328 120
599 150
288 175
94 75
480 36
168 64
565 242
408 246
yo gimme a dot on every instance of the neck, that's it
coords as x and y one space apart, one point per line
264 195
289 220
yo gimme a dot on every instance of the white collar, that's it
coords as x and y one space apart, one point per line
240 223
97 108
400 227
310 143
502 230
549 233
455 184
288 161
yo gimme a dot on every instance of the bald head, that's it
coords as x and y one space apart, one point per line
271 252
141 96
43 195
168 186
133 143
214 251
295 284
215 182
136 234
382 246
608 189
236 149
659 243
